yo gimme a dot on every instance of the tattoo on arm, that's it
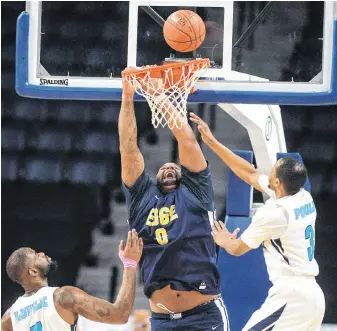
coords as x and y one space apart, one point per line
98 310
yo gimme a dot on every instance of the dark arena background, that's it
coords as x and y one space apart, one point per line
60 161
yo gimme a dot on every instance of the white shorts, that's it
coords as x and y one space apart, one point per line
293 304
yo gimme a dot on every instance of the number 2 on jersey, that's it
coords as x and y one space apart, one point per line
309 234
36 327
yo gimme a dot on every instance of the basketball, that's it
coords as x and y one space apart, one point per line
184 31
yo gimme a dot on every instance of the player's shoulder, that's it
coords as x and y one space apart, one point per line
272 211
65 294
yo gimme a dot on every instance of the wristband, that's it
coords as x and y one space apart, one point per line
128 263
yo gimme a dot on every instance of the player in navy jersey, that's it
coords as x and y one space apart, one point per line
174 216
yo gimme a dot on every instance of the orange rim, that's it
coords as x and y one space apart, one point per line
159 71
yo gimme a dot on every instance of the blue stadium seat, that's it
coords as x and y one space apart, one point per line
101 57
58 55
100 142
106 113
30 110
316 182
53 140
322 123
43 170
112 31
7 53
87 7
311 153
7 80
88 173
333 183
293 120
12 139
9 168
74 111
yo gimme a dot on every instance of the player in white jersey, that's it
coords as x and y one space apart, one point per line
285 226
44 308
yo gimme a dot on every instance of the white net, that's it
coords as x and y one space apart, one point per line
167 95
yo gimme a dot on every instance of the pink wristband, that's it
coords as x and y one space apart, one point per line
128 263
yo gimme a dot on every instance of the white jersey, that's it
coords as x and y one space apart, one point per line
38 313
286 228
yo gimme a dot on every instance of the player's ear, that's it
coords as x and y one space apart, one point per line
33 272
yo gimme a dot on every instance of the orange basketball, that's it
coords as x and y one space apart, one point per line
184 31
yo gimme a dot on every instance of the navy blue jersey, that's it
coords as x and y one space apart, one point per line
176 229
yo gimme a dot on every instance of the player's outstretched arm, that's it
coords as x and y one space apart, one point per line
132 159
6 322
229 241
237 164
72 300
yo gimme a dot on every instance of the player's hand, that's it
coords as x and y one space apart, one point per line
128 88
203 128
153 86
133 248
221 235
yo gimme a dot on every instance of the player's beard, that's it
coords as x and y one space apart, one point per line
168 184
52 267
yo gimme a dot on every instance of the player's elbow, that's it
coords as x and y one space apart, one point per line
124 317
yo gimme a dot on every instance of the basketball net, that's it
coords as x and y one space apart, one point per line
166 89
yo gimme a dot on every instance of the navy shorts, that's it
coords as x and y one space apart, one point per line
209 316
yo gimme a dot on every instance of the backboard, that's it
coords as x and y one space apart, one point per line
64 52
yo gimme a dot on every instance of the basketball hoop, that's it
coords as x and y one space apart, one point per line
166 87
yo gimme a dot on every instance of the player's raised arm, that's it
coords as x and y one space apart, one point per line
132 159
237 164
190 154
77 302
6 322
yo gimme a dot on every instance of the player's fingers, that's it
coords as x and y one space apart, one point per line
194 116
236 231
134 238
217 226
140 244
129 240
121 245
213 234
222 225
195 120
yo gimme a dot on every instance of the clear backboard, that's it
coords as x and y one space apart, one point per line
254 48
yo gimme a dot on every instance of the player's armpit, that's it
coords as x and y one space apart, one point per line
132 167
6 322
98 310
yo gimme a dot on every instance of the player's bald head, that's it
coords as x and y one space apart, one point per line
291 173
26 266
17 263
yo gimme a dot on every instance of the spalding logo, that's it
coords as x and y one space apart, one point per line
60 82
